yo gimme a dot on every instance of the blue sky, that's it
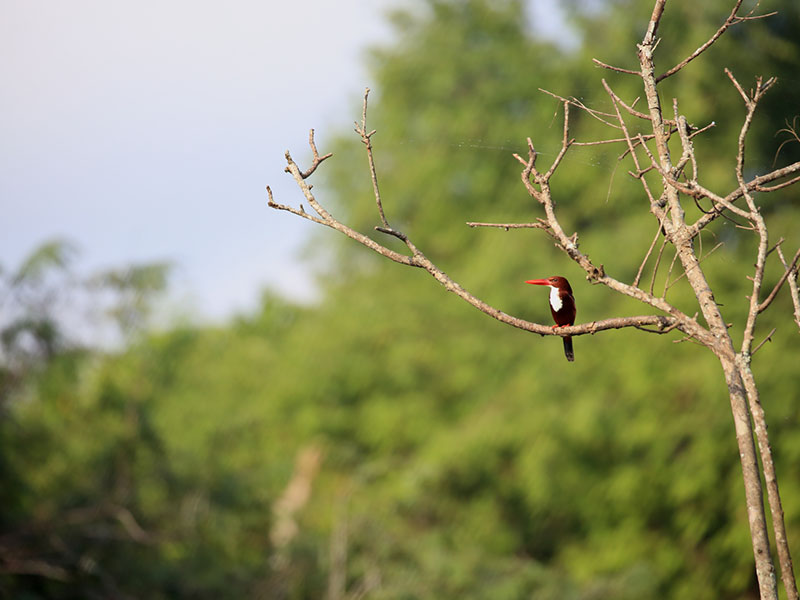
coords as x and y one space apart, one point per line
148 130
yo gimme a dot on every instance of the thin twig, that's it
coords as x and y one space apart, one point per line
665 330
667 283
610 141
732 19
701 259
325 218
658 263
646 256
597 114
793 137
654 206
366 138
566 142
787 272
793 288
640 115
756 219
317 158
766 339
702 129
600 63
686 142
754 185
507 226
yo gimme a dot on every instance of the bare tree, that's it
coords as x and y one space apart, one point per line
645 136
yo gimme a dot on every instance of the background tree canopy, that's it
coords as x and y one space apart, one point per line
389 441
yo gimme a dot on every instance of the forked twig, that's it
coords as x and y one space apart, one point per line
366 138
317 159
732 19
789 270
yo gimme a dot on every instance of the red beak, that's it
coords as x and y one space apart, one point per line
538 281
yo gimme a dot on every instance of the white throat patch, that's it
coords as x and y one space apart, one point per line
555 299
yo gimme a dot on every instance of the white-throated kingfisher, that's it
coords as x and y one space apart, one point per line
562 307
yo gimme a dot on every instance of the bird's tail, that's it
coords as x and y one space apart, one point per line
568 349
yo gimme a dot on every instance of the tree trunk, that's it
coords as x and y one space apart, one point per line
765 570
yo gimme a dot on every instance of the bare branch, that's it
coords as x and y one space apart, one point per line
300 212
640 115
658 263
317 158
793 136
667 283
755 218
790 269
773 188
793 289
765 340
682 275
652 27
600 63
507 226
732 19
646 256
686 143
655 207
754 185
418 259
570 244
599 115
565 144
366 138
611 141
702 129
770 477
666 330
662 322
325 218
757 184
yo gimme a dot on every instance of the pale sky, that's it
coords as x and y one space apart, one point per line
148 130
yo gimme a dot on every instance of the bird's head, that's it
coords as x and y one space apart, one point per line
556 281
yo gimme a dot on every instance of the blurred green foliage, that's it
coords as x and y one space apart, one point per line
390 441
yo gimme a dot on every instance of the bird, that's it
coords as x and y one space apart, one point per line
562 307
